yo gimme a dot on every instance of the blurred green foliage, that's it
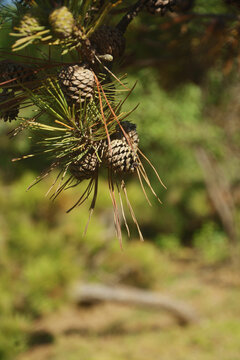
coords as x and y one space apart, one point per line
211 243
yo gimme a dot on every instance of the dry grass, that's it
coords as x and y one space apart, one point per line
107 332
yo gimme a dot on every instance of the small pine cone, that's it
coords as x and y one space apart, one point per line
13 73
131 131
121 155
29 25
8 113
86 167
159 6
108 40
77 83
62 22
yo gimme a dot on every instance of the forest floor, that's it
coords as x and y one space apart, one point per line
110 331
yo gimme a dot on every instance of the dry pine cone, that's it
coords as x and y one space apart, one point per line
120 155
13 73
8 113
77 83
86 167
108 40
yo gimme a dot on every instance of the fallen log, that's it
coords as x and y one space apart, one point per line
93 293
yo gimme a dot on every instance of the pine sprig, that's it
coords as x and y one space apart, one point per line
79 122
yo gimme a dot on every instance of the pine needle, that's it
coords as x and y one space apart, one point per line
123 186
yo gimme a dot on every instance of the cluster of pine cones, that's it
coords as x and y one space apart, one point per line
77 81
120 154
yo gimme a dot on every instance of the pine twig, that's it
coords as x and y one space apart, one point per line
131 14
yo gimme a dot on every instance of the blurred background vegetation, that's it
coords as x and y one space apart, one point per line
186 65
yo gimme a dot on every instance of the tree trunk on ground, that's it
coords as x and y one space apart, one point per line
94 293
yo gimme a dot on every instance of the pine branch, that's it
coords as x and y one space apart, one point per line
131 14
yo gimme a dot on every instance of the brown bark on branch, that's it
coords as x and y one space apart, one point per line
92 293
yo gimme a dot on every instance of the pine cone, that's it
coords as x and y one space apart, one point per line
62 22
10 114
86 167
108 40
6 113
14 73
77 83
121 154
159 6
29 25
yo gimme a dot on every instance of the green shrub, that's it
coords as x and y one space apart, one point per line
211 243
